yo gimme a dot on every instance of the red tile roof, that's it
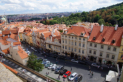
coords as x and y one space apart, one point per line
6 51
77 30
22 53
56 37
108 34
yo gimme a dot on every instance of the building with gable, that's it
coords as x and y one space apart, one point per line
74 42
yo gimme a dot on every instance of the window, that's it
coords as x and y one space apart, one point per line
79 38
122 56
54 47
79 50
89 51
66 36
122 49
94 52
66 41
72 43
83 51
114 49
75 37
101 46
75 43
63 41
69 48
62 35
109 47
90 44
101 53
95 45
75 49
72 37
65 47
69 36
79 44
113 56
83 39
107 56
83 45
72 49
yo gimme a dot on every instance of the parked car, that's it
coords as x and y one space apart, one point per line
82 62
51 66
61 72
28 52
47 65
78 78
72 76
95 65
57 70
66 74
54 67
44 61
73 60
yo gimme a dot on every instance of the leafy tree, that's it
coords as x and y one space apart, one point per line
97 17
101 21
34 64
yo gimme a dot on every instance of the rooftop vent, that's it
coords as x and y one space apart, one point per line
113 41
103 39
94 38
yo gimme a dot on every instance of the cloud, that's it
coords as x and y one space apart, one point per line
44 6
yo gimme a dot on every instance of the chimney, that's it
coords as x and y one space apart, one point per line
116 26
12 44
91 27
101 28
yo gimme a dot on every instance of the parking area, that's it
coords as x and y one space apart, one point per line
98 74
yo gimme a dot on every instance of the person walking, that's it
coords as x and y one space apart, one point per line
92 74
63 80
89 68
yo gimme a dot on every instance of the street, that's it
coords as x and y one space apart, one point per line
98 74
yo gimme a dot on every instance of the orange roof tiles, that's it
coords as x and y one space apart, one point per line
47 34
108 34
6 51
77 30
22 53
16 43
56 37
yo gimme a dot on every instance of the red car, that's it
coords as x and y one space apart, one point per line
66 74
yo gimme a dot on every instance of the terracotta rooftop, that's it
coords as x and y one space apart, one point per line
77 30
108 36
6 51
22 53
56 37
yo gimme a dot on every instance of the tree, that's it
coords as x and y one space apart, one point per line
34 64
97 17
101 21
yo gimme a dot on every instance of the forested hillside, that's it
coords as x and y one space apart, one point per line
109 16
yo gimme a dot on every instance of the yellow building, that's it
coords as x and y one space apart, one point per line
21 30
120 56
29 38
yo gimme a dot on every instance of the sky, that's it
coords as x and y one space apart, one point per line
50 6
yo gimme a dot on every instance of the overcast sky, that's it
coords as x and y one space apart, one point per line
46 6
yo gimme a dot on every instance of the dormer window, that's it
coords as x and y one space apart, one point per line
94 38
103 39
113 41
82 34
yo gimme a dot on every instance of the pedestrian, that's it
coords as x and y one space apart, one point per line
63 80
71 68
92 73
89 68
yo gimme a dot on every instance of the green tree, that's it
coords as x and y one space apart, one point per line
34 64
101 21
97 17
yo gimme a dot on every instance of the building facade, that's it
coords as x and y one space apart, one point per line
74 42
104 44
